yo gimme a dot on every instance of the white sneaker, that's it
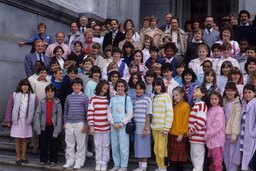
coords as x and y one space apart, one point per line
114 169
140 169
69 164
104 167
122 169
77 165
98 167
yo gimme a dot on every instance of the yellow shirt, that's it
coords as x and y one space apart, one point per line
180 121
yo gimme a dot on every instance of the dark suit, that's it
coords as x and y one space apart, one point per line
163 28
30 61
108 39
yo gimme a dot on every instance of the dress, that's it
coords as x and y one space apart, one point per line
22 129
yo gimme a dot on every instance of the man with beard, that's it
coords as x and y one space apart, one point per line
244 30
167 26
210 35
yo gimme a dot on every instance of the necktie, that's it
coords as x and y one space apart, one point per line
209 30
40 57
113 37
167 27
82 29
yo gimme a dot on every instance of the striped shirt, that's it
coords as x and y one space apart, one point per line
162 112
197 122
142 107
75 108
242 131
98 114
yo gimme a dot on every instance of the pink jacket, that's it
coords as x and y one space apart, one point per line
215 128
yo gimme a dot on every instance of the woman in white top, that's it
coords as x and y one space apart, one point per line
226 36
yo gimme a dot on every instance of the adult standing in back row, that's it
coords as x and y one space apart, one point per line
210 35
60 38
114 36
178 37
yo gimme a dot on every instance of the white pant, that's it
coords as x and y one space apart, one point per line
102 148
197 152
75 136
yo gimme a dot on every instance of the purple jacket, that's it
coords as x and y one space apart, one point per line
215 128
250 132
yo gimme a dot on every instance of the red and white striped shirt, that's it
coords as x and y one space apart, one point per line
197 122
98 113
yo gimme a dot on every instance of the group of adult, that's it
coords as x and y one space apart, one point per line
111 33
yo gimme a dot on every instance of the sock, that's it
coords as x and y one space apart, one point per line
144 164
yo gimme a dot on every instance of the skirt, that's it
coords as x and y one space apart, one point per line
21 129
177 151
142 146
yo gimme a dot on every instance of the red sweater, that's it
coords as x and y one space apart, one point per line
49 106
197 122
98 113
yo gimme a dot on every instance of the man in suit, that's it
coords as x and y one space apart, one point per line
114 36
167 26
82 24
210 35
31 58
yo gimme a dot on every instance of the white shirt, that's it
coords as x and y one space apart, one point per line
217 66
171 85
195 65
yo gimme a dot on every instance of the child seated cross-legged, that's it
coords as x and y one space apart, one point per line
48 124
75 111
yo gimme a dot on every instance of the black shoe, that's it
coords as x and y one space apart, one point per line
18 162
25 161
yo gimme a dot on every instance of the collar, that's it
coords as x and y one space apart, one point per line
140 97
86 73
197 100
247 24
59 44
168 82
169 60
37 54
42 80
78 93
115 32
208 31
194 41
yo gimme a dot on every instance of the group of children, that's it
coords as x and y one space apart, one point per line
211 102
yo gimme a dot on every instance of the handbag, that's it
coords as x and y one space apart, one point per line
130 126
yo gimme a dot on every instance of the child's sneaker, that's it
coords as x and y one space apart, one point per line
114 169
69 164
104 167
140 169
77 165
98 167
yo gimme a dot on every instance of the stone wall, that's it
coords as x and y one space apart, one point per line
19 20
